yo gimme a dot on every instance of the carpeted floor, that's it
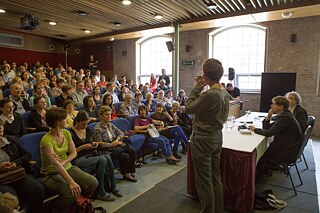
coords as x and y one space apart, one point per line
170 195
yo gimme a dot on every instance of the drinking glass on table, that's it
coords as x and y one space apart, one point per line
248 112
230 122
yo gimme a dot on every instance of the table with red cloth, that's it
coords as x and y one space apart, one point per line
238 165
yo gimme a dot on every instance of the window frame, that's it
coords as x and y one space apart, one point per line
215 32
138 56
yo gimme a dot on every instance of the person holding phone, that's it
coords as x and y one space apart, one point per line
89 156
210 110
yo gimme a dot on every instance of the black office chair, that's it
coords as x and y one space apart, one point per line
286 166
310 122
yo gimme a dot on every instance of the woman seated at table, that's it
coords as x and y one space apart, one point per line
172 130
59 175
112 136
142 122
90 108
13 155
90 157
71 112
108 101
37 118
150 103
297 110
14 126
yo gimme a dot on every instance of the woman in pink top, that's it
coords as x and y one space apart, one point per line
153 83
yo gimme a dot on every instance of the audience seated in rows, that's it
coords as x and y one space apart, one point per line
127 108
90 107
13 155
106 132
37 118
110 90
90 155
66 95
150 103
71 112
171 129
21 103
14 126
59 175
39 91
142 122
97 96
79 94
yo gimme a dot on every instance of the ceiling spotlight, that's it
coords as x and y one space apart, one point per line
81 13
286 14
2 11
210 5
87 31
158 16
52 23
111 39
117 24
126 2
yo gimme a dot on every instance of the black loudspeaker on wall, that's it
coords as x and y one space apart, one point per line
293 39
170 46
231 74
188 48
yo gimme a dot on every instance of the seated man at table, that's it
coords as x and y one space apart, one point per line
233 91
287 136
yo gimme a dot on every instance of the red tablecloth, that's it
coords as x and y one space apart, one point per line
238 171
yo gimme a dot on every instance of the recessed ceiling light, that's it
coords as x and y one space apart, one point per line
52 23
117 24
158 16
2 11
111 39
81 13
87 31
286 14
212 6
126 2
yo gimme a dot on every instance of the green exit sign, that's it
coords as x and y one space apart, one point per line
188 63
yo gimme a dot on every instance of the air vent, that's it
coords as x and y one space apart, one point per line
11 40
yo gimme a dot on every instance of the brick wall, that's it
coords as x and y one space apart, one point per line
302 57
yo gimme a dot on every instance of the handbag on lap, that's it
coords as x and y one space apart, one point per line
153 132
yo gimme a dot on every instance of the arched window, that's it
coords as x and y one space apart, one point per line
152 56
241 48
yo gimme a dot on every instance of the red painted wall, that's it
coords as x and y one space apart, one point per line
19 56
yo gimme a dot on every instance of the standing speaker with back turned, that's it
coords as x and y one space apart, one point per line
170 46
231 74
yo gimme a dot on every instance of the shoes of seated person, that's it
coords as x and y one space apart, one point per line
106 197
172 161
176 155
131 179
117 192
